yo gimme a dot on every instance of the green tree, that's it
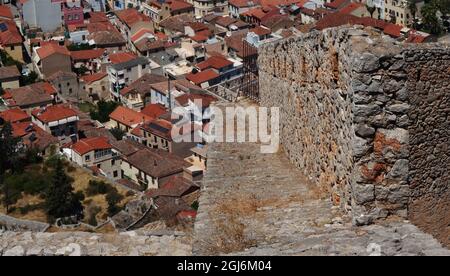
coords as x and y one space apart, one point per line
117 132
10 195
9 154
60 200
430 20
31 78
413 9
113 198
371 10
104 108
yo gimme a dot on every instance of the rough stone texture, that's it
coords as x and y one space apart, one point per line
14 224
134 243
429 162
366 118
309 79
260 204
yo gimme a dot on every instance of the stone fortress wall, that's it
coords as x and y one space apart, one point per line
367 119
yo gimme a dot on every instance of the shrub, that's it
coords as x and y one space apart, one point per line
113 198
194 205
97 187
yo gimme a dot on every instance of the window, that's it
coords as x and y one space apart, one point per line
70 90
12 48
87 158
113 162
143 66
115 174
99 166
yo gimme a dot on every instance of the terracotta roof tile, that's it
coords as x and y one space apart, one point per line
202 77
176 5
87 54
131 16
86 145
261 31
121 57
154 110
88 79
7 72
53 113
176 186
15 115
5 11
157 163
50 49
128 117
216 62
205 99
351 7
243 3
336 4
11 35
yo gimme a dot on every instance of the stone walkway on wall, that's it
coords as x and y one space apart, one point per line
133 243
259 204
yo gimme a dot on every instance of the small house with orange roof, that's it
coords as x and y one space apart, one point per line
127 119
60 121
95 153
10 38
50 58
15 115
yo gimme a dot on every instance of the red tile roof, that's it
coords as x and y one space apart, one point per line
139 34
20 129
351 8
415 37
15 115
137 131
176 5
197 26
53 113
10 36
131 16
50 49
86 145
128 117
336 4
216 62
159 127
87 54
88 79
205 99
199 38
268 3
176 186
243 3
5 11
97 17
393 30
261 31
121 57
154 110
202 77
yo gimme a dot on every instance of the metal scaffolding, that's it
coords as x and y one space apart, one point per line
250 79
